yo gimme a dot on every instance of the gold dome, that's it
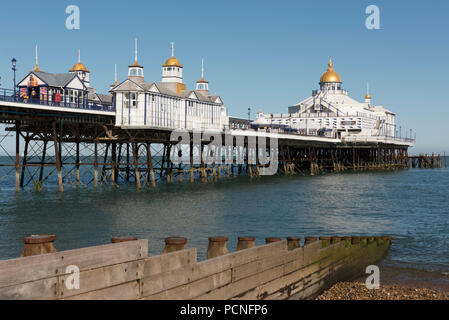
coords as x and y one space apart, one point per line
330 75
368 96
202 80
79 67
172 62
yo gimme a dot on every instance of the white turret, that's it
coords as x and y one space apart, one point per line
81 70
202 85
172 68
135 71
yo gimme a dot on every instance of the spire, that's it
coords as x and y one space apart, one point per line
37 61
79 55
368 96
135 70
202 68
331 65
202 72
172 44
202 84
115 74
135 51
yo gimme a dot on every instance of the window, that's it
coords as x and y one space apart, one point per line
130 99
133 99
73 96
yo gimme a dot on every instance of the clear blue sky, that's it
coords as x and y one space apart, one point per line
263 54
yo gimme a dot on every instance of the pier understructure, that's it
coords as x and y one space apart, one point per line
62 146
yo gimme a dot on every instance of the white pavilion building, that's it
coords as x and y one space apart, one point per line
167 104
330 111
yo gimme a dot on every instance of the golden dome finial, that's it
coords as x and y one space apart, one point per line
368 96
330 75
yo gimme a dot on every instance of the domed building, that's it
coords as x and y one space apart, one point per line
331 112
167 104
81 70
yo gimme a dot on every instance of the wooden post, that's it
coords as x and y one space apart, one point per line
77 163
24 160
44 151
96 164
58 158
127 162
192 176
114 164
17 154
136 164
105 159
150 165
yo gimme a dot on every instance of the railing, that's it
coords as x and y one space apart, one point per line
366 137
9 96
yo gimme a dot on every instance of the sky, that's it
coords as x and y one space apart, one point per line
266 55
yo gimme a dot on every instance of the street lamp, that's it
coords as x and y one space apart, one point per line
249 114
14 63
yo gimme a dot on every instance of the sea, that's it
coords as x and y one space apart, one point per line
410 205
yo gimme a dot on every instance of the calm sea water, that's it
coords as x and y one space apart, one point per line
411 205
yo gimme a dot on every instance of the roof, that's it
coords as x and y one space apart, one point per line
103 98
172 61
55 79
79 67
166 88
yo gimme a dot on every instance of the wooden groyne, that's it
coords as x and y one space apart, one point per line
280 269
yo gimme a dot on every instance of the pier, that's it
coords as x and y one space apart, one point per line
68 145
280 269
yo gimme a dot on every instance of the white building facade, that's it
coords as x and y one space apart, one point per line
167 104
330 111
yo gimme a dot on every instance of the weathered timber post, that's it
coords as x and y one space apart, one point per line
347 240
114 163
105 159
44 151
127 162
325 241
245 243
308 240
269 240
150 165
77 160
24 160
17 155
58 158
123 239
38 244
336 239
217 247
293 243
136 164
95 164
174 244
192 175
355 240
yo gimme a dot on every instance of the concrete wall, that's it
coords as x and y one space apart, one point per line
124 271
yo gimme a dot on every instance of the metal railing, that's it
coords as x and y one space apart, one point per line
9 96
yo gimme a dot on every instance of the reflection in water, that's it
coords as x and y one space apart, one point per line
410 205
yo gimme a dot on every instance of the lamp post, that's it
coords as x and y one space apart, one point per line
14 63
249 114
